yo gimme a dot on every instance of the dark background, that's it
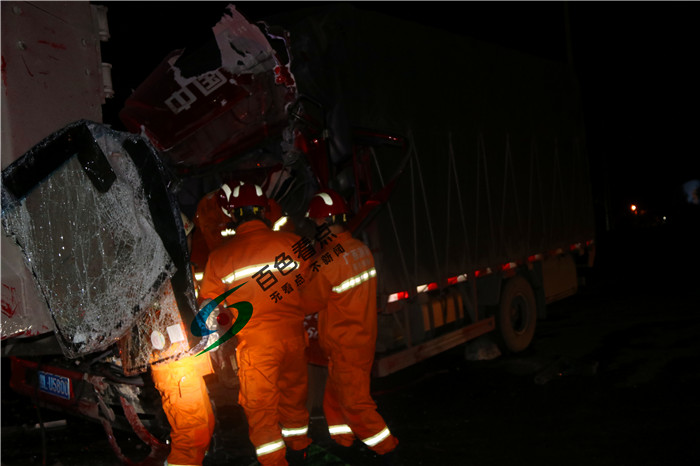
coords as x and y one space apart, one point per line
635 61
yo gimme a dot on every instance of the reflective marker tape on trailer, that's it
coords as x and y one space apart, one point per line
54 385
398 296
509 266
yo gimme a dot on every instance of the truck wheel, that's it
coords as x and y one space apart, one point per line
516 315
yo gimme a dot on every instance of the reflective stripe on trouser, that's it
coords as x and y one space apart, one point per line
187 406
274 382
296 438
269 447
349 408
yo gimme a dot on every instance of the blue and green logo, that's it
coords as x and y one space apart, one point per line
199 324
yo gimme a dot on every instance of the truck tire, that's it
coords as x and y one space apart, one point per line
516 315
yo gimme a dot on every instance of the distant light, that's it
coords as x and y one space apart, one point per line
228 232
633 208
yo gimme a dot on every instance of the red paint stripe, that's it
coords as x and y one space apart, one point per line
53 44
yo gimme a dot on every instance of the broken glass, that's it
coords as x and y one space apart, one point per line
75 205
159 335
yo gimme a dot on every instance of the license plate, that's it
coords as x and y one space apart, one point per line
53 384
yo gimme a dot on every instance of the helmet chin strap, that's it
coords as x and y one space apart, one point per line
243 214
339 219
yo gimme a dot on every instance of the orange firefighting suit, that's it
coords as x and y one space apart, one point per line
344 292
186 404
272 366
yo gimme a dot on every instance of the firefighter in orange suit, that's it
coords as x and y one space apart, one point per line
211 219
272 365
186 403
344 293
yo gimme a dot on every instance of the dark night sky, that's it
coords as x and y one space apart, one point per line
636 62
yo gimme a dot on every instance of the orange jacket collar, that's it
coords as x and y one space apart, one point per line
251 225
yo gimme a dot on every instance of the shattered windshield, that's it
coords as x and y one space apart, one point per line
87 235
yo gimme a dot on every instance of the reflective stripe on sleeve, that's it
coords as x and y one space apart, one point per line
269 447
294 432
376 439
244 272
355 281
339 429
